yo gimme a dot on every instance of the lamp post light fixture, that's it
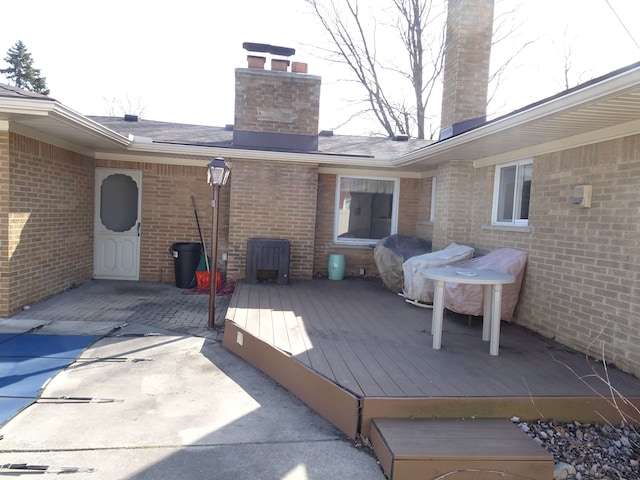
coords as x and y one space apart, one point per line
217 175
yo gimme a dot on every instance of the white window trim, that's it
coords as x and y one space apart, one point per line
434 194
517 193
336 210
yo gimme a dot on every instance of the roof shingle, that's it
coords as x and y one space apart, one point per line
181 133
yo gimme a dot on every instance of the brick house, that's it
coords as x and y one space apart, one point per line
507 182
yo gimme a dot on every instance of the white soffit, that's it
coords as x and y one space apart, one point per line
605 110
56 124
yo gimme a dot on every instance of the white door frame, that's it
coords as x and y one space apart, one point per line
116 255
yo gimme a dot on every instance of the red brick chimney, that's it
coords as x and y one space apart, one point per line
466 69
276 109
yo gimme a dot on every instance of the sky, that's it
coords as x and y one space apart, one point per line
175 61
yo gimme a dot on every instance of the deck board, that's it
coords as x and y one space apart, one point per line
364 320
297 337
436 448
388 368
370 383
371 343
316 357
265 316
371 376
252 315
316 321
281 338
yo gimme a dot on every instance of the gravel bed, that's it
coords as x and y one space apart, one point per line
587 450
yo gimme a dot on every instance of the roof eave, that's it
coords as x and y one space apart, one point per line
22 111
615 85
170 149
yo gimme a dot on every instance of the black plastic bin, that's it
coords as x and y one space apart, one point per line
186 257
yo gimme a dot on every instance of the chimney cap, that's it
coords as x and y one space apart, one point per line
266 48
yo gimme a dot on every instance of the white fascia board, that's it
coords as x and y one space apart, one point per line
183 160
22 106
48 108
372 172
71 117
583 96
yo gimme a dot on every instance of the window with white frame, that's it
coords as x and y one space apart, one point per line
366 209
511 194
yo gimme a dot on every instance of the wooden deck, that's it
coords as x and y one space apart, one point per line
463 449
354 351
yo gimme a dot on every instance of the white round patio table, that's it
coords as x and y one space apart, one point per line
492 281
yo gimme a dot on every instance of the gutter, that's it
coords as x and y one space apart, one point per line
10 106
71 117
596 90
138 146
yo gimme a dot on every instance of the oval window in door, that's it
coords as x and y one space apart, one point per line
119 203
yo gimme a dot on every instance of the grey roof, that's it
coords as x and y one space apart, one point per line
167 131
186 134
602 109
11 91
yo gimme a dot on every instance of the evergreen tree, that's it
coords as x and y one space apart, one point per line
21 71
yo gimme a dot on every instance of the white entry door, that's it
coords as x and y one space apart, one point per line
116 254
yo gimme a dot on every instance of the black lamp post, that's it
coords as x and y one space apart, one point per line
217 176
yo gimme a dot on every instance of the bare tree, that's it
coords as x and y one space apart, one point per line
504 27
419 25
568 68
419 28
415 24
118 107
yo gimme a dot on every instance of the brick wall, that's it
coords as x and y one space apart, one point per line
581 284
47 220
277 102
454 203
424 222
168 214
355 256
467 56
273 200
415 198
5 260
415 202
585 267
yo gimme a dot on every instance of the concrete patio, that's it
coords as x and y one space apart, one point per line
181 406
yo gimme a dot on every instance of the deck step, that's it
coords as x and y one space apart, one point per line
457 449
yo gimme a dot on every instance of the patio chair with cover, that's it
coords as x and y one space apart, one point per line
390 253
417 289
468 299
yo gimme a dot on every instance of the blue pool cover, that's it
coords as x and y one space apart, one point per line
28 362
